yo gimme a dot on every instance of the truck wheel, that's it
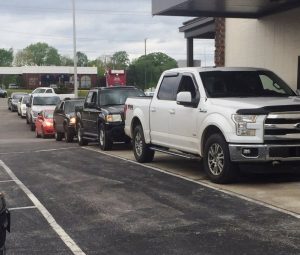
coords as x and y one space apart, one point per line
81 140
58 136
217 164
141 150
105 141
68 135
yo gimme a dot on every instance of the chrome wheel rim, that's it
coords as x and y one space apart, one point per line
79 134
101 137
215 159
138 144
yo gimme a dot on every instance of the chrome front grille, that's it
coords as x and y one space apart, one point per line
282 127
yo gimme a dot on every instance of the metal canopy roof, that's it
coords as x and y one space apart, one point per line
200 28
222 8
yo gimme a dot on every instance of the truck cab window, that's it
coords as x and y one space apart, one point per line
94 98
187 84
62 106
168 88
89 97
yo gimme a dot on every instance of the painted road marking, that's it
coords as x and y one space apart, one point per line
14 152
22 208
231 193
47 150
37 151
69 242
7 181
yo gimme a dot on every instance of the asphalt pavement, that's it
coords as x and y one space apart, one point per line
61 193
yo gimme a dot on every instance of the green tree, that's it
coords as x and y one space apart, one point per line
66 61
145 71
40 54
100 66
82 59
6 57
120 60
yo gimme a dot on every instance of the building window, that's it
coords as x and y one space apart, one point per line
86 81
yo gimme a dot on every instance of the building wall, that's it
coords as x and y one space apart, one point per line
271 42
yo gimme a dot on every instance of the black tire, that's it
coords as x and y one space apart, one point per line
81 140
27 121
43 134
37 135
141 150
32 126
105 142
69 136
58 136
217 164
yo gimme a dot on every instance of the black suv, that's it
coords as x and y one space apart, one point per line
64 119
101 119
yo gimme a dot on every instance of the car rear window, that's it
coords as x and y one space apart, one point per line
46 100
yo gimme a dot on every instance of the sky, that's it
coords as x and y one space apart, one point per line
102 26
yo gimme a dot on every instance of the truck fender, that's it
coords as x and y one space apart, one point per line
214 123
100 120
139 117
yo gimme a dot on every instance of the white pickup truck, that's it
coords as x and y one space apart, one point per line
48 90
224 115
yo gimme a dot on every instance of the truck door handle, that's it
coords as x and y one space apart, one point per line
203 110
153 109
172 111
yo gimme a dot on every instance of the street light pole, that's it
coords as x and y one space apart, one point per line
75 51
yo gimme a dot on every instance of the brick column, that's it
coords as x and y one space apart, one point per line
220 42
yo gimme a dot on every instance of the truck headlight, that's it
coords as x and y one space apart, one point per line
113 118
241 124
73 120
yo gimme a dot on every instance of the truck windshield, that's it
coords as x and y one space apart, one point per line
71 105
46 100
118 96
244 84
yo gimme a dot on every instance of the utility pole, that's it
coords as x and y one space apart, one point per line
146 46
145 86
75 52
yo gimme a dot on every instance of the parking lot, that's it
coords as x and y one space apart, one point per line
66 199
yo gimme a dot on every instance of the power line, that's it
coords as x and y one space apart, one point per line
95 11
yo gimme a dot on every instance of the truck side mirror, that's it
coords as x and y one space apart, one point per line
27 104
184 98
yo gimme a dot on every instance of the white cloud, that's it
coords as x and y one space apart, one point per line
103 27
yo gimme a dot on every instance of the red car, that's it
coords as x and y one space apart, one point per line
44 124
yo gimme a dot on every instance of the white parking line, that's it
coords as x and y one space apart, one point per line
14 152
7 181
296 215
69 242
59 149
37 151
22 208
